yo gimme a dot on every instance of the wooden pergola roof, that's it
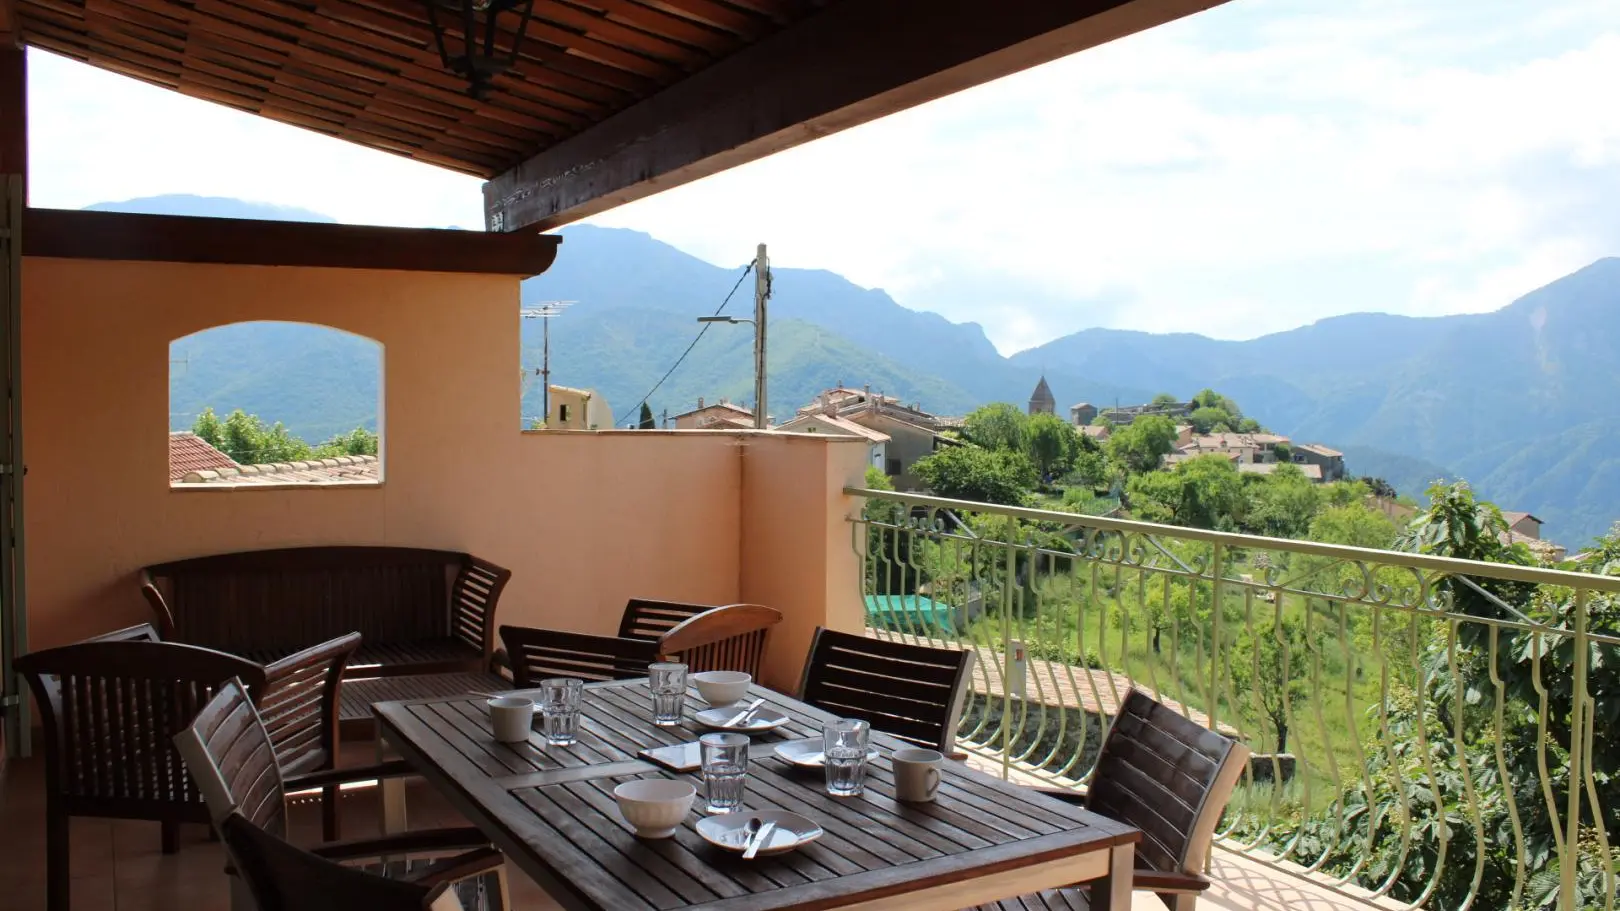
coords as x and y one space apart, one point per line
610 100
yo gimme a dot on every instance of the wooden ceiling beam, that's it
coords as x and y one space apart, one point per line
851 63
79 234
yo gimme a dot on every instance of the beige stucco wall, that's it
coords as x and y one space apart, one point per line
797 546
585 520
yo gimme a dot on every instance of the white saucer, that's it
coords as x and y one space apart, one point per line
730 831
807 754
763 720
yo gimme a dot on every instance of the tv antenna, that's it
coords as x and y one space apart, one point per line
546 311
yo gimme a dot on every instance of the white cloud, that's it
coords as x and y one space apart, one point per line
1209 174
1249 169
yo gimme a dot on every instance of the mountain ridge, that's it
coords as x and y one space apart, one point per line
1511 399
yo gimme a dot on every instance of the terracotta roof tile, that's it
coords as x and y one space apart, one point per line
343 469
189 452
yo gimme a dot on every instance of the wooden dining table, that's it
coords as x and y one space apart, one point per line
551 810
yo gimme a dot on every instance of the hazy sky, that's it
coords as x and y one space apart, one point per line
1249 169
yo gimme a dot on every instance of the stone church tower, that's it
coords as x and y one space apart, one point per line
1041 400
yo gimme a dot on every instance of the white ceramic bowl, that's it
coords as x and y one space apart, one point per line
656 807
722 687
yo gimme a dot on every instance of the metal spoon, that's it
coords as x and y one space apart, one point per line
758 840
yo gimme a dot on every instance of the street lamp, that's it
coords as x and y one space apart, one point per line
762 293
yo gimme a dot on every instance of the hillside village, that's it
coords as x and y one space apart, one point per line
900 435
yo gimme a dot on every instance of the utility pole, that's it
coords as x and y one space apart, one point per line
762 293
545 312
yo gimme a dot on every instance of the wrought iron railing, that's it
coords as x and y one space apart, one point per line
1432 732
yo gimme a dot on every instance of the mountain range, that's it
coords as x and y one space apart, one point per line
1513 400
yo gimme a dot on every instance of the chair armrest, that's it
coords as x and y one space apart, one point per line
1155 881
1075 796
454 869
394 768
717 625
419 842
160 606
300 702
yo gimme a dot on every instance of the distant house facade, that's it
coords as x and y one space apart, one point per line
1248 448
877 441
1083 414
1524 528
721 415
847 402
1259 453
1041 401
911 433
1329 461
578 409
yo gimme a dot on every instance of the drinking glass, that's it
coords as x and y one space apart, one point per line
559 709
725 770
668 682
844 744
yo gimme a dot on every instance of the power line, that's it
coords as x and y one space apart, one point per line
634 409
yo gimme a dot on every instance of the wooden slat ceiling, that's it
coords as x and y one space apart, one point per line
369 71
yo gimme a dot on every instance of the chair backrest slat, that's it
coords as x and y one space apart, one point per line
539 653
913 692
109 709
647 619
1168 776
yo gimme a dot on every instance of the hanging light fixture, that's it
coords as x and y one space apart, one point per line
476 54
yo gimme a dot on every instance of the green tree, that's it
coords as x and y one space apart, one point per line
1268 666
997 425
210 428
1354 525
356 442
1165 398
246 439
1283 503
1051 444
1205 419
1089 471
1206 492
1209 398
647 422
1142 445
982 475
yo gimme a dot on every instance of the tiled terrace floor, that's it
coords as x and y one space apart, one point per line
117 865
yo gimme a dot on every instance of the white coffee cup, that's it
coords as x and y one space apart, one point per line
511 718
916 773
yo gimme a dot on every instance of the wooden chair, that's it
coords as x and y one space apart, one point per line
109 709
535 654
728 638
1170 777
300 699
704 637
908 691
229 752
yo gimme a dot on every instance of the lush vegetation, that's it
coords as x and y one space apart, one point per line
1389 732
249 441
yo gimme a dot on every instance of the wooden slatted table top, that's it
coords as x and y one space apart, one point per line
551 809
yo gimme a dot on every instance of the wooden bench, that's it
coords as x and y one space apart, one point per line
424 616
